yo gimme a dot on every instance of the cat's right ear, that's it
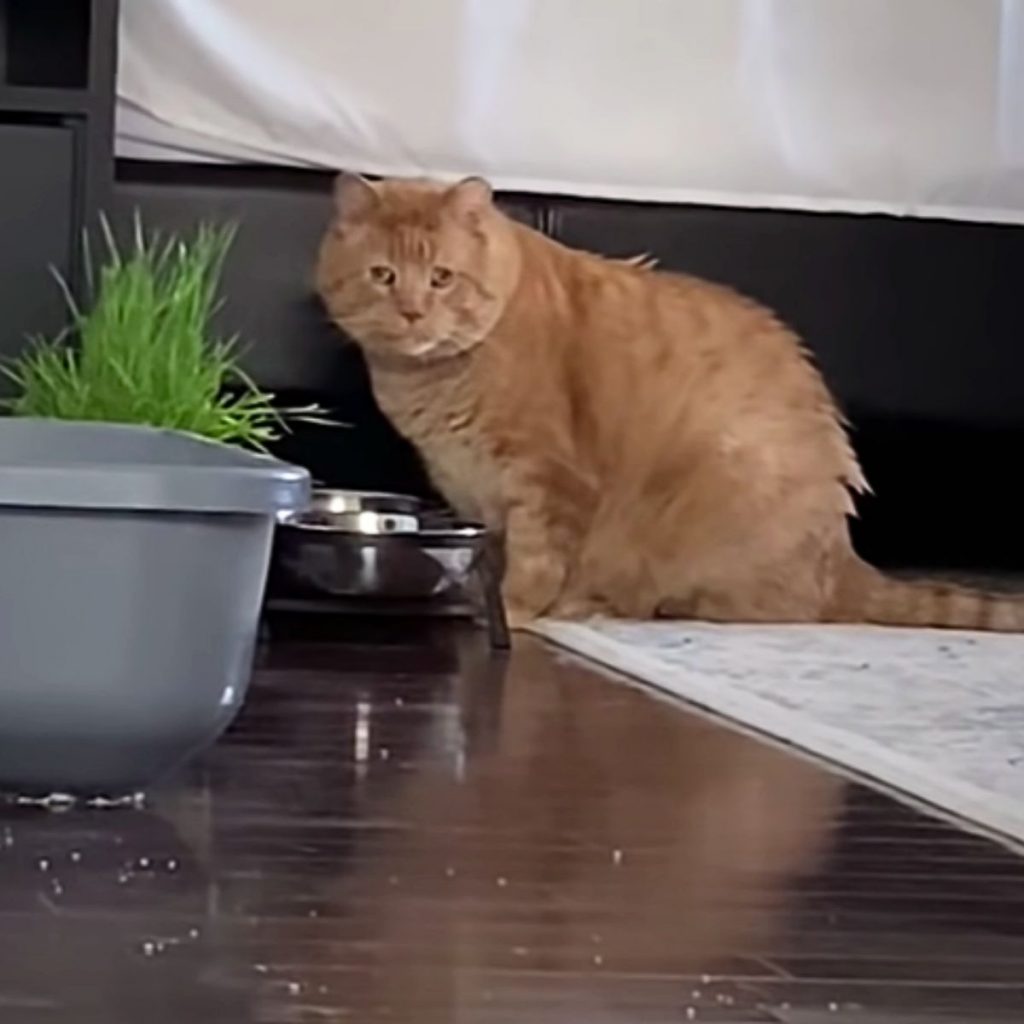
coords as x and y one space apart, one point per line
354 196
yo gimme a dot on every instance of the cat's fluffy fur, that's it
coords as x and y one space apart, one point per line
648 444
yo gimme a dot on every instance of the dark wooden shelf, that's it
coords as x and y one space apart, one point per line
46 43
30 99
57 65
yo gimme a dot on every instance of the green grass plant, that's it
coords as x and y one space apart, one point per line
144 350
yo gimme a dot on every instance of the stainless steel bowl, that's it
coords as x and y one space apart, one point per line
338 509
352 544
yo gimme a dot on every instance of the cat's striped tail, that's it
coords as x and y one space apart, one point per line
867 595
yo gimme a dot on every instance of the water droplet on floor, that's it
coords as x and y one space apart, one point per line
53 802
111 803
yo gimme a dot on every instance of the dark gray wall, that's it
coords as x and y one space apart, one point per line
270 304
270 300
280 217
916 324
36 196
909 319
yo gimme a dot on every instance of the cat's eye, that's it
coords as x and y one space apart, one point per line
381 274
441 277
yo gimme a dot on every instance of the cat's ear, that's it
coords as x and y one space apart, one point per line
469 197
354 196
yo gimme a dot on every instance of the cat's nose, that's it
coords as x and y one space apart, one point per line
411 315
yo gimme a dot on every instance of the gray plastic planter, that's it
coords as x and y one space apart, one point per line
132 568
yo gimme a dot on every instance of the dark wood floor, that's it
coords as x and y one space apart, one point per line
407 831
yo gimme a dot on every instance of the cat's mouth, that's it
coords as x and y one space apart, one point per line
432 348
413 351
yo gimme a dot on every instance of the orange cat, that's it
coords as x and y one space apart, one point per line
648 444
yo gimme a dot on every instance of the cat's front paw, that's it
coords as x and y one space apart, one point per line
576 609
530 589
518 618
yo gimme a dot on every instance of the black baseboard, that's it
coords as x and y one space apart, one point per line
917 326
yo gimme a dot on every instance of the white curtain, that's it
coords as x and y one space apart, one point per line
905 106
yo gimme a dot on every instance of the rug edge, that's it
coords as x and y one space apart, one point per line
999 818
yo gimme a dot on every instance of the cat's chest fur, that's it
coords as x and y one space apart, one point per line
439 414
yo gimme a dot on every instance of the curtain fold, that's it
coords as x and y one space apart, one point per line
904 106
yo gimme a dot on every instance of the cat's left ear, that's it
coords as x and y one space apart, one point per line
354 196
469 197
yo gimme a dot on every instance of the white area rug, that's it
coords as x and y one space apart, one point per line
936 715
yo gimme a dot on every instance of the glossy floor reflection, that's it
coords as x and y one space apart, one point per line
412 832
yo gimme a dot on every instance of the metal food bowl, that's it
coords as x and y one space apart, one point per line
386 546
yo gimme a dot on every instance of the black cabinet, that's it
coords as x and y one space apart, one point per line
37 221
57 65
